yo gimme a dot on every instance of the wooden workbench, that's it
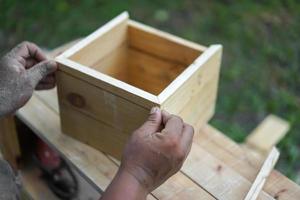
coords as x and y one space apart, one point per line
216 168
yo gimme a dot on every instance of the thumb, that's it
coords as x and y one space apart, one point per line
40 70
153 123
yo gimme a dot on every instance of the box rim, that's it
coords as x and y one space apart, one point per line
101 77
187 73
168 91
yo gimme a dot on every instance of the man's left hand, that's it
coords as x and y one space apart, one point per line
22 70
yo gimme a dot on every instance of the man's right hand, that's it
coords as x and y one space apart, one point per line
157 149
154 152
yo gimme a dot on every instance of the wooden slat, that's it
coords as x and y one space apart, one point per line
195 88
101 43
216 177
106 82
151 73
268 133
115 64
161 44
227 151
263 174
101 105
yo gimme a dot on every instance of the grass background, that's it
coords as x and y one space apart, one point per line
261 61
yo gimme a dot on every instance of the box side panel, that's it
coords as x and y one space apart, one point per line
114 64
99 104
161 44
91 132
195 99
151 73
109 39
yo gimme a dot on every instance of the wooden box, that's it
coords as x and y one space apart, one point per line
108 82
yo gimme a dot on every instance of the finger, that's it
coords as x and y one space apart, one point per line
29 50
165 116
48 79
173 125
45 86
153 123
41 70
30 62
187 137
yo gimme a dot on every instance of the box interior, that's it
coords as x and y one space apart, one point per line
138 57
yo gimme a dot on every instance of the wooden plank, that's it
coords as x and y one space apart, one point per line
151 73
104 40
115 64
268 133
92 132
227 151
195 87
9 143
216 177
106 82
101 105
162 44
263 174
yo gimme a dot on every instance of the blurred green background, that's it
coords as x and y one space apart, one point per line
261 61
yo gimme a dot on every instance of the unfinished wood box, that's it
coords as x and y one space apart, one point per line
108 82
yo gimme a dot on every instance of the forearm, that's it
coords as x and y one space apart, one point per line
124 187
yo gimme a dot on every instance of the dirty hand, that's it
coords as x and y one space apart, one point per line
22 70
154 152
157 149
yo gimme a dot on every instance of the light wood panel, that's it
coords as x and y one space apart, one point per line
115 64
216 177
151 73
91 132
105 82
161 44
101 43
227 151
101 105
263 174
196 88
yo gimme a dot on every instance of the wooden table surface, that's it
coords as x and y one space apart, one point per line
216 168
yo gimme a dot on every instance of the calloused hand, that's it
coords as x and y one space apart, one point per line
157 149
22 70
154 152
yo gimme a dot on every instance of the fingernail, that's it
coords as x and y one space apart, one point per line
154 110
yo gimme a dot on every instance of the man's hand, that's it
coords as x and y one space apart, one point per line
22 70
154 152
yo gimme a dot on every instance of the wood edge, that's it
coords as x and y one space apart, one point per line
166 36
188 72
263 174
123 17
66 63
